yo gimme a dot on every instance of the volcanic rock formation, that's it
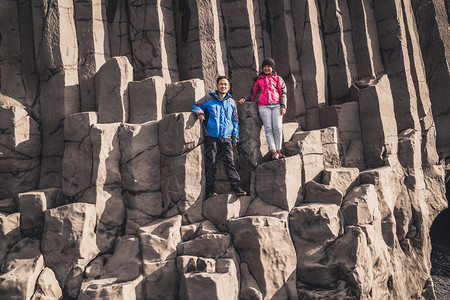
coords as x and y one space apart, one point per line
102 188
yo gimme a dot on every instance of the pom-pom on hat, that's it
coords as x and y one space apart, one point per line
268 62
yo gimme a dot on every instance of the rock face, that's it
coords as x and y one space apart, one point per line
102 182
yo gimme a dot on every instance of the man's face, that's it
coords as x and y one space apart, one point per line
223 86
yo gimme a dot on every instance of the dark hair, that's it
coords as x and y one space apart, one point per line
223 77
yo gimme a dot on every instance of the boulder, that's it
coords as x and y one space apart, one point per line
47 286
181 95
109 288
321 193
161 280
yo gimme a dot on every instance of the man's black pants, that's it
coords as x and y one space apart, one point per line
219 148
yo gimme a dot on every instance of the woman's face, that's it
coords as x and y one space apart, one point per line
267 69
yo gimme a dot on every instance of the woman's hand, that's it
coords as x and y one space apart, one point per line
282 111
241 101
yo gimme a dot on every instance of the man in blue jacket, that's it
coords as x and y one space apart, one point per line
218 113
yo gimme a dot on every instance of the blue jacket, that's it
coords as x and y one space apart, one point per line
221 116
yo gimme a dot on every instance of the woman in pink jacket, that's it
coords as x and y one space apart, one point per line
271 104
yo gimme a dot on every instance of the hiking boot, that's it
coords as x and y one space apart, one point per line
238 191
211 194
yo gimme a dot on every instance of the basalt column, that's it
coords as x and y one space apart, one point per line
57 62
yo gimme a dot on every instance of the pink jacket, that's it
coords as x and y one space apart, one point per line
272 90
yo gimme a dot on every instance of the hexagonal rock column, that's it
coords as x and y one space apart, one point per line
244 42
330 147
57 68
61 252
180 96
152 35
111 83
147 99
378 121
308 144
182 179
311 54
92 32
346 118
223 207
365 39
140 171
77 161
119 38
279 182
432 26
159 241
264 243
341 65
106 189
21 269
32 206
20 145
18 75
361 205
199 36
313 227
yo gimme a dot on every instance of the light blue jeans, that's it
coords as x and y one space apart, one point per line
273 124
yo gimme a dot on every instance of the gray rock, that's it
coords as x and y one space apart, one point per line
361 205
341 178
275 263
378 122
32 206
9 232
179 133
109 288
92 30
61 252
151 31
161 280
346 118
159 239
224 207
180 96
147 99
47 286
21 269
279 182
321 193
111 83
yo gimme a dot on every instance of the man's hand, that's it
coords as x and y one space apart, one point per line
282 111
201 118
241 101
234 145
